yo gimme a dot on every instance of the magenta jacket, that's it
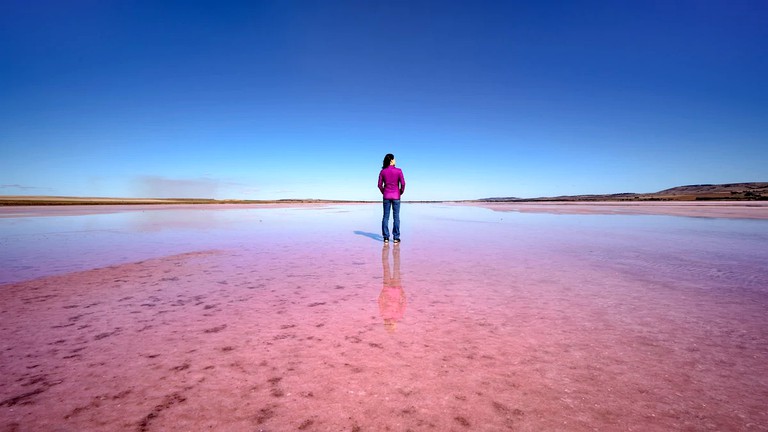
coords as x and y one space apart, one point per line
391 182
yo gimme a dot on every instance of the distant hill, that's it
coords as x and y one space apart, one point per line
729 191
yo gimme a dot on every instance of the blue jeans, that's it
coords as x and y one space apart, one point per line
395 205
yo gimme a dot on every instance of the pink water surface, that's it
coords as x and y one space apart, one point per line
301 319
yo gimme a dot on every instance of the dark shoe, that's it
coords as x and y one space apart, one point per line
397 241
386 240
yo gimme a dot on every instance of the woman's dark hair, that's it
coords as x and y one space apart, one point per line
387 160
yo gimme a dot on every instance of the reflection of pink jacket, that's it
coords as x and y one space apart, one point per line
392 303
391 182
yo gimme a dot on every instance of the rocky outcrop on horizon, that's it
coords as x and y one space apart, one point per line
699 192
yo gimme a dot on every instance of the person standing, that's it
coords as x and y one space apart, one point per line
392 185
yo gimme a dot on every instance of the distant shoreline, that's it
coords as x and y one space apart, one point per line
754 191
59 201
74 201
8 201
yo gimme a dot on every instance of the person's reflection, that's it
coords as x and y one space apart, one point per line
392 296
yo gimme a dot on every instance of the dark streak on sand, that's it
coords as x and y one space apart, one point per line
96 403
462 421
264 415
22 397
305 424
107 334
215 329
170 400
181 367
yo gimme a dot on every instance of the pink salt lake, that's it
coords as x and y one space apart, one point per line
511 317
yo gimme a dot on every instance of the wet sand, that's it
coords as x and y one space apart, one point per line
646 323
707 209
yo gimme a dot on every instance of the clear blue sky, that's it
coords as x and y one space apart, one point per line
293 99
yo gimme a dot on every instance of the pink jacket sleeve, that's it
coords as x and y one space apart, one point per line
380 184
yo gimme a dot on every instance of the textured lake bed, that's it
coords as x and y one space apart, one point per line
280 318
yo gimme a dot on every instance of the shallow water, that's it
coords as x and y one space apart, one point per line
299 318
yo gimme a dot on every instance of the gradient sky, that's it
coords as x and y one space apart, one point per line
302 99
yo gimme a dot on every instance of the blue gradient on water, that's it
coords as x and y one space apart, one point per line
32 246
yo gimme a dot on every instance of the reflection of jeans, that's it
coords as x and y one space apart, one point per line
395 205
